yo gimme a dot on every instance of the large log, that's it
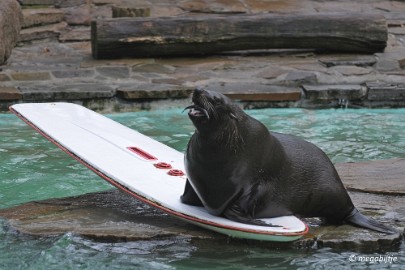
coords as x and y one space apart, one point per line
178 36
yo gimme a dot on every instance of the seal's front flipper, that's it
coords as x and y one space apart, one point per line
190 196
358 219
234 213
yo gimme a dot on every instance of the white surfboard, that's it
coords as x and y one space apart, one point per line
139 165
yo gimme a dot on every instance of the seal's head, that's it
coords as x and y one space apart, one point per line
218 120
212 111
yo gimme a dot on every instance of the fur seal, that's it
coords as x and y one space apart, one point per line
238 169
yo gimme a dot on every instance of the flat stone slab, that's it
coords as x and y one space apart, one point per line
385 91
10 93
37 2
78 91
352 60
381 177
41 16
332 92
256 91
111 215
116 216
153 91
50 31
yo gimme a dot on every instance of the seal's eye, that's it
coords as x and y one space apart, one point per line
217 100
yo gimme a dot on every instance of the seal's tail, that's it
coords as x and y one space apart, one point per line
358 219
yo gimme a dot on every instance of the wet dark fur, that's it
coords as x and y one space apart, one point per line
240 170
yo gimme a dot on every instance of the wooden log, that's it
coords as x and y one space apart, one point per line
178 36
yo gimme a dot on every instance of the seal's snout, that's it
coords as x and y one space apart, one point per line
198 109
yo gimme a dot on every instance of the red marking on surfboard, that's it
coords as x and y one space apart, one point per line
162 165
175 172
142 153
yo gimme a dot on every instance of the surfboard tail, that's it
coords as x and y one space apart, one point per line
358 219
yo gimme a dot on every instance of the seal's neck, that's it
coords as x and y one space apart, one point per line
225 138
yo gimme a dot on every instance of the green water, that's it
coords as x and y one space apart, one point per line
31 168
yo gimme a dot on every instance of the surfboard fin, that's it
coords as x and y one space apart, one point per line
358 219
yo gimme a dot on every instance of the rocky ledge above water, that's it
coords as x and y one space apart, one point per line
115 216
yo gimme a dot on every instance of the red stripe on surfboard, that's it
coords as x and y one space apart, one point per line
145 200
142 153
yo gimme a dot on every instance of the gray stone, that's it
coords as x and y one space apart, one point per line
213 6
110 215
390 61
333 92
387 64
272 72
69 3
380 91
130 11
51 31
45 63
153 91
397 30
367 176
10 93
101 12
73 73
165 11
79 91
118 72
256 91
43 16
75 34
359 61
167 81
78 15
105 2
11 19
297 77
153 68
31 76
4 77
350 70
36 2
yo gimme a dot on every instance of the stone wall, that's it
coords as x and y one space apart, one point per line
52 61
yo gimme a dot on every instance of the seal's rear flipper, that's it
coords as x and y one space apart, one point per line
233 213
358 219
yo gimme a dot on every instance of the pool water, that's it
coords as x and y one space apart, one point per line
31 168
